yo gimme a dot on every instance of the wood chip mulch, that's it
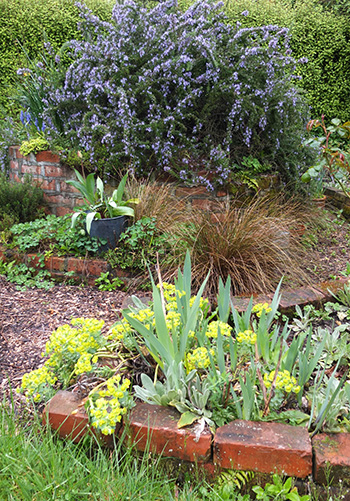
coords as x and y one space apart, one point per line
28 318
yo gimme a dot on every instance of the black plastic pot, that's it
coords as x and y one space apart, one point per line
108 229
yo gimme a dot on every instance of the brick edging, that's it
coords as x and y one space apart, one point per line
240 445
90 269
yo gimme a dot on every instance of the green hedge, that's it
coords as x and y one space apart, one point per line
24 22
315 33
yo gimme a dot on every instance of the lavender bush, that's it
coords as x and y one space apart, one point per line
164 90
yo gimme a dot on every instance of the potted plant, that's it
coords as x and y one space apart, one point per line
105 216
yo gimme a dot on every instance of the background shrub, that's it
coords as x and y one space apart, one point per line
315 33
23 22
161 90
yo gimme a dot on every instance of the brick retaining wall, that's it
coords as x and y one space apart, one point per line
46 168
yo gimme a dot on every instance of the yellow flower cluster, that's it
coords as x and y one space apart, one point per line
83 364
86 338
173 320
119 330
202 302
145 316
106 411
284 381
247 336
198 359
213 328
35 382
170 292
260 307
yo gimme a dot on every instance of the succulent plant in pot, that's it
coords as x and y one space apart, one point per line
105 215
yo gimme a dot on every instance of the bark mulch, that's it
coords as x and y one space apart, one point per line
27 319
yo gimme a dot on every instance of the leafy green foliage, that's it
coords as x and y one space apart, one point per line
54 233
138 245
316 34
104 283
26 276
34 145
97 204
279 490
26 22
333 147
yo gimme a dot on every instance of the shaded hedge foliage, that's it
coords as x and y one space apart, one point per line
24 22
319 35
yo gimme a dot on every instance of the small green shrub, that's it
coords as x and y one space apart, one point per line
20 202
26 23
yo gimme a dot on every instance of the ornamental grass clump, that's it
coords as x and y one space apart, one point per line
164 90
254 244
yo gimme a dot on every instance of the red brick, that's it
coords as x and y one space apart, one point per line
62 211
55 263
53 171
30 169
15 178
65 414
240 303
264 447
12 151
155 427
33 259
47 156
64 187
96 267
77 265
202 203
332 286
190 191
221 193
48 185
332 450
13 165
217 217
18 154
57 199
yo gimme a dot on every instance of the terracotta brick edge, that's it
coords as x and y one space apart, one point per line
244 445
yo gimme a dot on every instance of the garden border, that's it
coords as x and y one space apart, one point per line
262 447
257 446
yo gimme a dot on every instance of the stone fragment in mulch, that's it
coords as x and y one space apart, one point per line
300 296
264 447
331 451
154 428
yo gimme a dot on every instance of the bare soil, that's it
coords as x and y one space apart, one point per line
27 318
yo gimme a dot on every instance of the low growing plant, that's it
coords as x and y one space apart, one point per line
55 234
253 243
